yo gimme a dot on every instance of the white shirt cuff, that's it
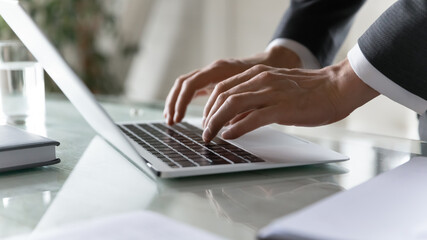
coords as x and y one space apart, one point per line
382 84
308 60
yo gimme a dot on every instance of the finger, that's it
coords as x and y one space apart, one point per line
220 88
202 92
252 121
173 93
214 73
228 84
256 83
239 117
168 112
234 105
188 90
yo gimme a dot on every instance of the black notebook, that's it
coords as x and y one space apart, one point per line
20 149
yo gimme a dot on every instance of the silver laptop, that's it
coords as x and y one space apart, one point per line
156 148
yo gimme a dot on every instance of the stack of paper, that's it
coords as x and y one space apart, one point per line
390 206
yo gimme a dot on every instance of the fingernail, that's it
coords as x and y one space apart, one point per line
226 134
206 135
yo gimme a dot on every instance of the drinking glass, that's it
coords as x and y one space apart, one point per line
22 94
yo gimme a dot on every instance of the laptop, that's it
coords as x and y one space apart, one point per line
154 147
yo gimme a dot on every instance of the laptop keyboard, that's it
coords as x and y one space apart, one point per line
181 145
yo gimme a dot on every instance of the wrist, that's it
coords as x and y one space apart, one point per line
282 57
352 91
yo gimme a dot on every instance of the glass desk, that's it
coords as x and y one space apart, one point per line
94 181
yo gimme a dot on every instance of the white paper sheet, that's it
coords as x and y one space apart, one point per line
129 226
390 206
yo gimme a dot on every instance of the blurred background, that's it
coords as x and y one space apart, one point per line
136 49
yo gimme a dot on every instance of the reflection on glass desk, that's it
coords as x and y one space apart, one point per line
93 180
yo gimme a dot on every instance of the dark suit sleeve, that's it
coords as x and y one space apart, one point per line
319 25
396 45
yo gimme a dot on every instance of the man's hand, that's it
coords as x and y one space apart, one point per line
262 95
202 81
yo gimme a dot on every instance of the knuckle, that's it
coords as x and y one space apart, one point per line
265 77
222 97
186 85
219 63
180 80
268 74
220 87
231 100
260 68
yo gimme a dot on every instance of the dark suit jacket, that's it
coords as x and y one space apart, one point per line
396 44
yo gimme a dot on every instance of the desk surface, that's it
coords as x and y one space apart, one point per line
94 181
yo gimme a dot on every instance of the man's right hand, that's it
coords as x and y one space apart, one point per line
203 81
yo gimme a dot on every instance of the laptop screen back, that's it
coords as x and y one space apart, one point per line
70 84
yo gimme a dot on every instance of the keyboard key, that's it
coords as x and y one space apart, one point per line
234 158
204 163
219 161
187 164
173 165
